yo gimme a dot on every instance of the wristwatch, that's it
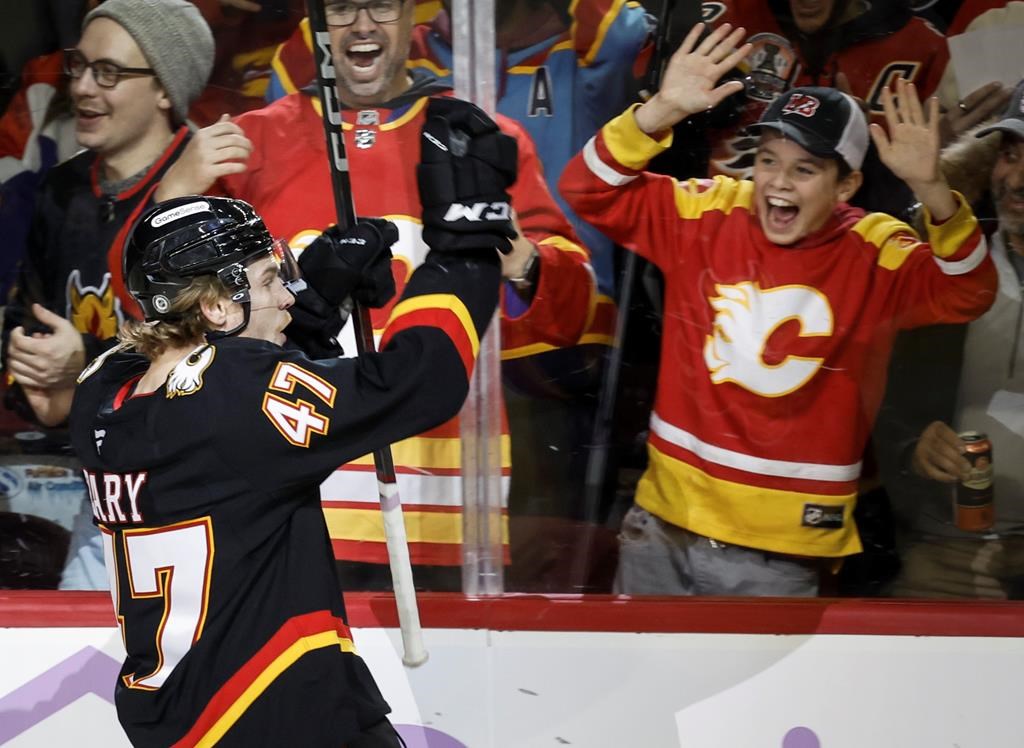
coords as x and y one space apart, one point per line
527 278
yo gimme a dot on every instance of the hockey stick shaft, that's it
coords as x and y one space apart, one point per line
391 507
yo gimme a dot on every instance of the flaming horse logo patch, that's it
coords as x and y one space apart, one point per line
92 310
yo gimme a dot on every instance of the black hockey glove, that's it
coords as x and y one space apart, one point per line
315 324
466 166
357 263
337 266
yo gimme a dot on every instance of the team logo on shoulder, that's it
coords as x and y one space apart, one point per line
746 316
187 377
97 362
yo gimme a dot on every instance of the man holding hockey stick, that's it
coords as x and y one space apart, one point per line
203 442
547 301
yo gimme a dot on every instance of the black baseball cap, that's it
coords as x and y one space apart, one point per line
825 121
1013 118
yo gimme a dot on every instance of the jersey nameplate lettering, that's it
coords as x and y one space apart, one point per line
115 496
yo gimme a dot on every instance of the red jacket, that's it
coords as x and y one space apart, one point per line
288 182
773 359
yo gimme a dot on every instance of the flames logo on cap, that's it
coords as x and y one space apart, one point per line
801 104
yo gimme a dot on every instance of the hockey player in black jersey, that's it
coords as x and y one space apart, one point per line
204 440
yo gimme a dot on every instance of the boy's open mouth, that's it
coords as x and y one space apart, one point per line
781 213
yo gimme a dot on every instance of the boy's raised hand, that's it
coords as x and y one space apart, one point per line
689 84
911 147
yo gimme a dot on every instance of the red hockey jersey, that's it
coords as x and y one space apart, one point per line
289 184
773 360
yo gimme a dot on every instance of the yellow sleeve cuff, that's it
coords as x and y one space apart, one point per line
947 238
629 145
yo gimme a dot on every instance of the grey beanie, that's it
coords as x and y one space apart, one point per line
174 38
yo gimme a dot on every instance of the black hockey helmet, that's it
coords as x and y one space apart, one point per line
180 239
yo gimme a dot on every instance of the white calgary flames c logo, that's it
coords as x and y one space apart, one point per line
746 316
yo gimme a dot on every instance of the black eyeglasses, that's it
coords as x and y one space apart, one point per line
381 11
107 74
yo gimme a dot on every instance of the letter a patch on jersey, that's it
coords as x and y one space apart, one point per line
541 95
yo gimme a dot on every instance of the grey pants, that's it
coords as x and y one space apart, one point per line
657 558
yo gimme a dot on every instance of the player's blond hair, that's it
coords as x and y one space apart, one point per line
190 327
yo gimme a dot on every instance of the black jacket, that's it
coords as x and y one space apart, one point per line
73 258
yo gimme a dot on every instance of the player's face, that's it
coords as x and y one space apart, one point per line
810 16
795 191
269 301
1008 186
116 121
369 56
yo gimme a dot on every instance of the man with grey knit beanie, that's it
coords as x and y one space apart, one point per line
136 69
175 40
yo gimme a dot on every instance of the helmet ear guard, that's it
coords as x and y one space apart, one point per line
179 240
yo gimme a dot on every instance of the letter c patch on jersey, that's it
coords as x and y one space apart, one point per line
746 316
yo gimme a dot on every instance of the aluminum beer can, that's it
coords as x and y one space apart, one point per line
973 507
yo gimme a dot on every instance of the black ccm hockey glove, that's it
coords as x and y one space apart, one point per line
466 166
338 266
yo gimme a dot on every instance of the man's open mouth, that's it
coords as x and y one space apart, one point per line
364 54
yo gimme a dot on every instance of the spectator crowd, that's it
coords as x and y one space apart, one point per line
824 202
